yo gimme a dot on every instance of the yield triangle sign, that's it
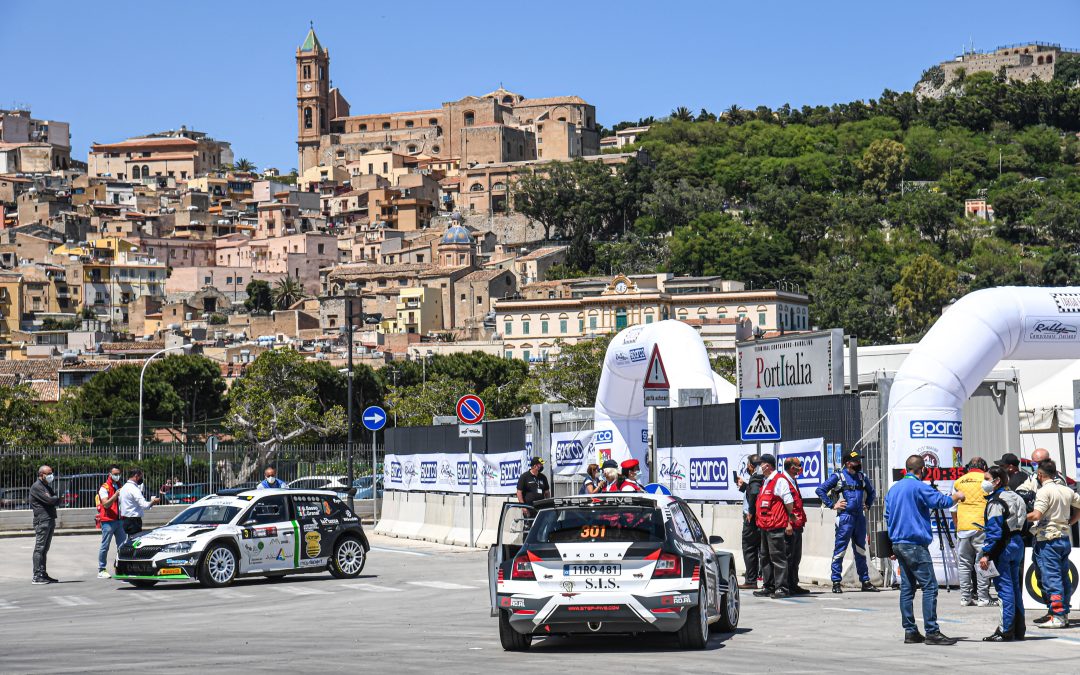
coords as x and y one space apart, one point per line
759 424
655 375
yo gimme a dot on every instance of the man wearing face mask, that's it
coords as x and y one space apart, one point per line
968 519
610 472
43 501
133 504
108 503
792 471
270 480
751 535
851 495
1004 518
1057 507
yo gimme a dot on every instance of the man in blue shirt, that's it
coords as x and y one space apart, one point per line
271 480
850 493
907 514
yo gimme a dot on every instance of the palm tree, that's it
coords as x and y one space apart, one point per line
243 164
683 114
733 115
287 292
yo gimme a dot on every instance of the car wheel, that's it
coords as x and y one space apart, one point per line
349 558
218 566
142 583
512 641
695 632
729 607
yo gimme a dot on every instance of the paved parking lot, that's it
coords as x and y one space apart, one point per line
423 608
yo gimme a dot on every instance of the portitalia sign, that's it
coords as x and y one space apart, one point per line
805 364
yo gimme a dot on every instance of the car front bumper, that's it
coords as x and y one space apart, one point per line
178 567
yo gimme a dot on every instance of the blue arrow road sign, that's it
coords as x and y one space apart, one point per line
759 419
374 418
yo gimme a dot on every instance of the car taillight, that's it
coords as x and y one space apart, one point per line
696 576
667 564
522 567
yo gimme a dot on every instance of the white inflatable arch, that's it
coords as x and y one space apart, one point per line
621 418
960 350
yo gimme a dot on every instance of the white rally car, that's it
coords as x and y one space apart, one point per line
609 563
237 533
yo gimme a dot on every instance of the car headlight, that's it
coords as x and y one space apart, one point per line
178 547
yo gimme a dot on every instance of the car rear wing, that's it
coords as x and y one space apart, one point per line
599 499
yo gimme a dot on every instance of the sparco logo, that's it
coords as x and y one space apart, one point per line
602 436
463 473
395 471
637 354
708 473
429 472
509 472
936 429
569 453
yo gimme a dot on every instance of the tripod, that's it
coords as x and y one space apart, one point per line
944 536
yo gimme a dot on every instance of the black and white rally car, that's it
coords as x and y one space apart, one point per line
237 533
609 563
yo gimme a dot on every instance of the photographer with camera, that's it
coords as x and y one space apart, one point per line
907 513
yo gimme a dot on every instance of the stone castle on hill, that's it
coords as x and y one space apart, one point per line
1022 62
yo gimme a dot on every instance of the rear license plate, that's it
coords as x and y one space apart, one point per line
591 570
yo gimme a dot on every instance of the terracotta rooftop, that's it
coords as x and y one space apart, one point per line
483 275
147 345
132 143
542 252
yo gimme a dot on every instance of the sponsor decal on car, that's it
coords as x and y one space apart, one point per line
307 510
326 522
313 562
681 599
310 527
313 544
170 570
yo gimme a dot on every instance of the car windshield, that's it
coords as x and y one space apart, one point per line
208 514
584 525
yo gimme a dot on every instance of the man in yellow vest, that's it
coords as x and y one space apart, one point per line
968 518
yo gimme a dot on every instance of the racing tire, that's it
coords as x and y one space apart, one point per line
730 607
694 633
142 583
349 558
512 641
218 566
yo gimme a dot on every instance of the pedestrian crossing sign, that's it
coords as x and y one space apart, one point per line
759 419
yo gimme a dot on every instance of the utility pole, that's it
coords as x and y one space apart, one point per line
349 403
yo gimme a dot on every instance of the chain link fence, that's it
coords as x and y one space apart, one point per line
81 469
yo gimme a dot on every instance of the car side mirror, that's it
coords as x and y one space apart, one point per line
715 539
352 491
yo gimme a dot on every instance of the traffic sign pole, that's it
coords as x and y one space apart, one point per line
374 481
470 410
374 419
472 477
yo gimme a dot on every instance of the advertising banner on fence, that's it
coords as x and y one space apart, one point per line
573 451
492 474
707 473
808 364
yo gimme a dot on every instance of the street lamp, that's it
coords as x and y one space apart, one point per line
350 289
142 375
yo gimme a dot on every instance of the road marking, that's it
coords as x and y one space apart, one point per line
381 549
230 594
7 604
371 587
72 600
442 585
1068 640
841 609
146 597
298 590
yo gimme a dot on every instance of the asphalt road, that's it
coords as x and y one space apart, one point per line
424 608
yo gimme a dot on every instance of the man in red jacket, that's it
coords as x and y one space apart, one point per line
792 471
776 520
109 516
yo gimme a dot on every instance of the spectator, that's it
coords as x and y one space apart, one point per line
751 535
610 471
43 501
108 503
792 471
968 519
133 504
533 484
1029 485
1056 509
270 480
776 520
907 515
628 481
1011 464
1004 517
592 483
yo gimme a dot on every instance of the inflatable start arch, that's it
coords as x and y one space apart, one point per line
621 418
960 350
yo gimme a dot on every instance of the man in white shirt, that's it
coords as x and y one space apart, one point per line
133 504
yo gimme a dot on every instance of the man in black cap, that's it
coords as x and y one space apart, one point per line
776 519
851 495
609 470
1011 464
533 484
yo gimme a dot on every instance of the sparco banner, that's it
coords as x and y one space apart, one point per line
493 474
573 451
808 364
707 473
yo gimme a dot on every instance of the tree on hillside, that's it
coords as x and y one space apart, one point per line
26 423
259 296
925 287
572 376
417 404
883 165
497 380
682 114
276 401
243 164
287 292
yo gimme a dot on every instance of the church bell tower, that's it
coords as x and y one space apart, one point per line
312 100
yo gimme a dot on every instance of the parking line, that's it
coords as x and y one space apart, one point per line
300 590
72 600
442 585
371 587
382 549
841 609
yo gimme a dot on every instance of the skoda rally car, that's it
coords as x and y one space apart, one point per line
238 533
609 563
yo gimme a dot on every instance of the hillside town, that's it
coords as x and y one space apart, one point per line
405 217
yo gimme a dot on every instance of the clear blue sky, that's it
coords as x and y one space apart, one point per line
117 69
